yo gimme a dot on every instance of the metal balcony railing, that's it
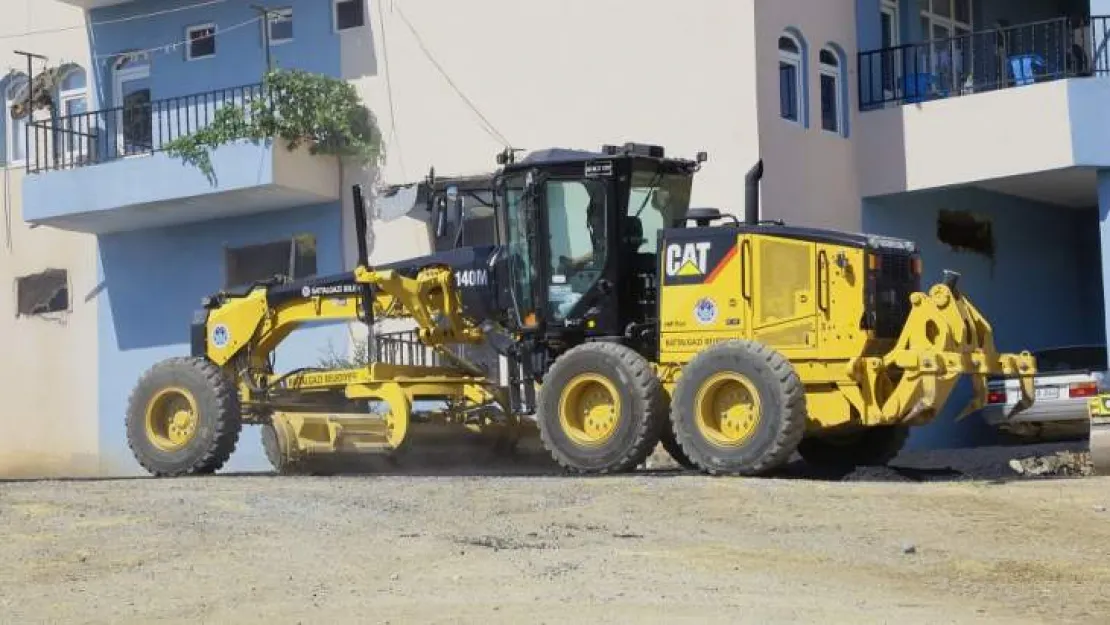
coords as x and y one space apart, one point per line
403 348
106 135
986 60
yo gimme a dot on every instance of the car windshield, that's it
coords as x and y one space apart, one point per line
1081 358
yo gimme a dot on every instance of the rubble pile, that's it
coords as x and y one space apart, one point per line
1062 463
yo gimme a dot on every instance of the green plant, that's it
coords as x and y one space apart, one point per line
358 356
300 107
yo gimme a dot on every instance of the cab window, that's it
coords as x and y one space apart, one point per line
576 213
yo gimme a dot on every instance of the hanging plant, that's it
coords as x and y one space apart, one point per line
320 112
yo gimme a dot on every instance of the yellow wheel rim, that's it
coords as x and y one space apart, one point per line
171 419
727 409
589 409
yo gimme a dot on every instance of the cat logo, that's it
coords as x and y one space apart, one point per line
687 259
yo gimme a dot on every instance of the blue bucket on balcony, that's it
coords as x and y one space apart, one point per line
915 87
1024 67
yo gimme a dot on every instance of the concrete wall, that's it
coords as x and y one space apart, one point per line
153 280
48 377
810 174
1103 263
1041 289
240 55
574 73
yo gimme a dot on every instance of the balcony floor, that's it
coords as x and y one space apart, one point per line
158 190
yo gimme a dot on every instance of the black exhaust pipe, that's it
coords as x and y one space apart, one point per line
360 225
751 200
366 294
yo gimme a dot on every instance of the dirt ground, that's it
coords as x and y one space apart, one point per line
940 540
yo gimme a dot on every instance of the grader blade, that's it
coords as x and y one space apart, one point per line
945 336
1099 410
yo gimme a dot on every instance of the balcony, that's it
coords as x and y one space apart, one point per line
1025 102
107 170
984 61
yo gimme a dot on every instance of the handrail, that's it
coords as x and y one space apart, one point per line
104 135
984 60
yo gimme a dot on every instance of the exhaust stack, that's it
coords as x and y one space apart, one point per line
751 187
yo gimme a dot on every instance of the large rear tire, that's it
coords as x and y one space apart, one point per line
599 409
738 409
183 418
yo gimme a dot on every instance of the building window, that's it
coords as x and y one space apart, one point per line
832 106
791 79
942 21
964 232
16 145
73 104
42 293
281 25
202 42
293 259
891 27
349 14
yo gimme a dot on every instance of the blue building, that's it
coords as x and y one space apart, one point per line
167 235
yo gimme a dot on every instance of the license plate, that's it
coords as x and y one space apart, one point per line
1046 393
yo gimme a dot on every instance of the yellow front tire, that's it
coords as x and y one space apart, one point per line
600 410
738 409
183 417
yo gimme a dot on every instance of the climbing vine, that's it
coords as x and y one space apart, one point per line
303 108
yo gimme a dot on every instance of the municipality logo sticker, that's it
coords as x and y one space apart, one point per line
705 310
221 336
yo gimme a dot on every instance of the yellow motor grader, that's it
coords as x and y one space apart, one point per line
621 318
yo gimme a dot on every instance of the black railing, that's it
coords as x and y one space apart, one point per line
403 348
95 137
986 60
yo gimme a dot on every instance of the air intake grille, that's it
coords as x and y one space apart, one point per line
894 282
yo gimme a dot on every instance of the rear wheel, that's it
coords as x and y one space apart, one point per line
738 409
600 408
183 418
874 446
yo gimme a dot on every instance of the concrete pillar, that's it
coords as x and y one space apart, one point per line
1104 238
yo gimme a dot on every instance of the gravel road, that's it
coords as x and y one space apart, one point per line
953 539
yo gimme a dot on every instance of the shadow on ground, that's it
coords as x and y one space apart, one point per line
983 464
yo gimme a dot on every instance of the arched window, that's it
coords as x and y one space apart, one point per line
72 108
16 144
832 92
792 78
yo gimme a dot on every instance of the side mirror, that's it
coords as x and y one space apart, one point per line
455 204
439 214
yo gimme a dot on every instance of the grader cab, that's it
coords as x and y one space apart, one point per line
622 318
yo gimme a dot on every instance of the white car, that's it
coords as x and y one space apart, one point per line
1066 378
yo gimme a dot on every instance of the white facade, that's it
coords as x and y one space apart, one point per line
47 420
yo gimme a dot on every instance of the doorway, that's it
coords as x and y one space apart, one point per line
134 118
